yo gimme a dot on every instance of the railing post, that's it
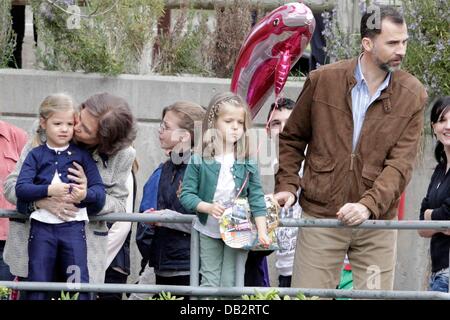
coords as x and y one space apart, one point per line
195 259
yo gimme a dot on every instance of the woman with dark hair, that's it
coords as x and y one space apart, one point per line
436 204
107 128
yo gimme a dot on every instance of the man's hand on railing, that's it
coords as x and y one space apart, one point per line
353 214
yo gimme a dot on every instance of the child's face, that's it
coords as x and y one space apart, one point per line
230 123
170 133
58 128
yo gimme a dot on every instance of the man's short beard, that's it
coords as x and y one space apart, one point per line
387 68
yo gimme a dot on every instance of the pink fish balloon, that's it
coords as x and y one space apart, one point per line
269 52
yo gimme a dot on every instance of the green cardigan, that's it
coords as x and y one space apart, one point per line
200 183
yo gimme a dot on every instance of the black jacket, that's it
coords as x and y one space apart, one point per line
170 249
438 199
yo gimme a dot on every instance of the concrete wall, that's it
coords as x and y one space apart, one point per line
21 92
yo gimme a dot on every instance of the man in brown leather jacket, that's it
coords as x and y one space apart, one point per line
362 121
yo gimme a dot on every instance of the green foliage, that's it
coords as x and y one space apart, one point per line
273 295
67 296
165 296
180 48
233 23
7 36
110 37
428 55
4 293
341 43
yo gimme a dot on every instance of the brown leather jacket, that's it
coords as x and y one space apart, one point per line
377 172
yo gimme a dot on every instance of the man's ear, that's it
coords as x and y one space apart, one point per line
367 44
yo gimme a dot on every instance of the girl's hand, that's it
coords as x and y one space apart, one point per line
264 239
58 189
427 214
216 210
151 210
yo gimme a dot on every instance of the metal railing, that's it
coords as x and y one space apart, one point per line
239 289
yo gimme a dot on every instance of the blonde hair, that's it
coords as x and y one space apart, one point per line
210 143
187 113
53 103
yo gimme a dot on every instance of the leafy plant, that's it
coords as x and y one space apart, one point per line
111 37
180 48
233 23
273 294
67 296
166 296
428 55
4 293
7 36
342 41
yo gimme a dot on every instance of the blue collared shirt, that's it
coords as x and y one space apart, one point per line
361 100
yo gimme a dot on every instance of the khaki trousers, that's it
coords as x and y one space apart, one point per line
320 253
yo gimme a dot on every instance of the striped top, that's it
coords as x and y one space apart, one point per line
361 100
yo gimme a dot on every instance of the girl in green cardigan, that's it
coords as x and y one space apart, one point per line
220 171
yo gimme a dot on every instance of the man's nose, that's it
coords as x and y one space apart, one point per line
401 49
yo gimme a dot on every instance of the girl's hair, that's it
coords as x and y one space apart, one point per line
440 108
210 143
53 103
188 113
116 124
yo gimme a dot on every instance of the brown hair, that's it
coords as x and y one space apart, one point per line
187 113
209 144
369 29
53 103
116 123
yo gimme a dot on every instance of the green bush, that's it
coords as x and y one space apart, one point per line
4 293
340 43
428 55
180 48
233 23
7 36
274 295
111 37
67 296
165 296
